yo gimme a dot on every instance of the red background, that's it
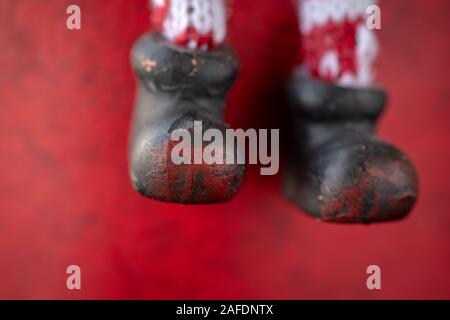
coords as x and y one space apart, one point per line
65 103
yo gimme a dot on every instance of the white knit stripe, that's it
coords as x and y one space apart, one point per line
205 16
219 21
366 53
329 64
157 3
318 12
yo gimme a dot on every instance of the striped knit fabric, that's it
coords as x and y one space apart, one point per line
337 45
194 24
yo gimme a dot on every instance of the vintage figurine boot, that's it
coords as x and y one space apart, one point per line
177 86
339 170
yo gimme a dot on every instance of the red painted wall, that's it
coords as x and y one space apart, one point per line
65 104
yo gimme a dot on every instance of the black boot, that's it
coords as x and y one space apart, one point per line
339 170
176 87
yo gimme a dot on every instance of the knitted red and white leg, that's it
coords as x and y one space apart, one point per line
194 24
337 46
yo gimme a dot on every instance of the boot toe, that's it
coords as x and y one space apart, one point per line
364 182
154 173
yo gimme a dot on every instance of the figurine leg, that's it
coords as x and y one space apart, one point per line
184 73
340 171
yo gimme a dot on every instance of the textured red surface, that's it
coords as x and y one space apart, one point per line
65 197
